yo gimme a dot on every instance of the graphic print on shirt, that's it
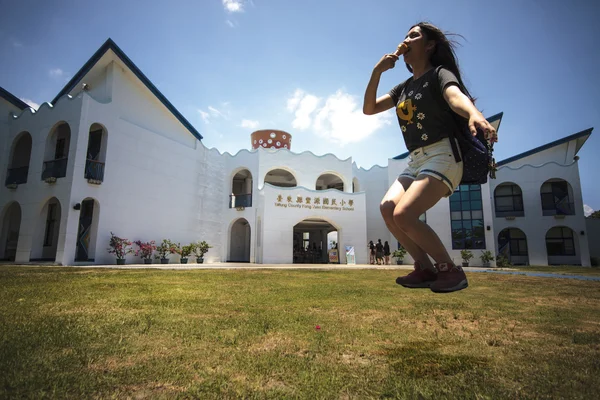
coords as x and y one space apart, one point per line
405 110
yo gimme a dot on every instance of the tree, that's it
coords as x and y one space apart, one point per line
595 214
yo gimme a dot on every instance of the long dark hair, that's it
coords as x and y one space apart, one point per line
443 54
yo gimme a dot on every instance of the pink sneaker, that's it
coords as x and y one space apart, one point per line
419 278
450 278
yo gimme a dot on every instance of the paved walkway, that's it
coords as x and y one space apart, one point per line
326 267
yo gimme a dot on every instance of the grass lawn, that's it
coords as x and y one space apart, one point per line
560 269
96 333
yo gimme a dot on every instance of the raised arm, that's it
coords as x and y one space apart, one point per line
372 104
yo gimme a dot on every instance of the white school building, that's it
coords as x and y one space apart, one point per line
111 154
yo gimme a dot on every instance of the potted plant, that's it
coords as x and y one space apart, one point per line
503 261
486 258
200 249
399 255
466 255
120 247
145 250
164 249
184 252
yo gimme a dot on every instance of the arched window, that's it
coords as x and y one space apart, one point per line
241 189
57 152
329 181
96 154
280 178
18 167
560 241
508 200
557 198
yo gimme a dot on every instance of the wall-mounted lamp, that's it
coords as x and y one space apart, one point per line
77 206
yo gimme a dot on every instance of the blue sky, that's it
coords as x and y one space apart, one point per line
234 66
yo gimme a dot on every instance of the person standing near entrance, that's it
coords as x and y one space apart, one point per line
386 252
432 171
379 252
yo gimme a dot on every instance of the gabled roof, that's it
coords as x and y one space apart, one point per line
586 133
110 45
495 120
11 98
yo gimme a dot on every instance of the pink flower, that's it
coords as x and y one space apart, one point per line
318 328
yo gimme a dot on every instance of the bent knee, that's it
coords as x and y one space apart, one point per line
387 210
404 218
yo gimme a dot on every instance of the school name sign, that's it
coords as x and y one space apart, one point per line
314 203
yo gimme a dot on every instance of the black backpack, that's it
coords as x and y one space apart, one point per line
477 151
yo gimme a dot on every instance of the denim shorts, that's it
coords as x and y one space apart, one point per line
436 160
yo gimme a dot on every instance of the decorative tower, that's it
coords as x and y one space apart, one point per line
271 139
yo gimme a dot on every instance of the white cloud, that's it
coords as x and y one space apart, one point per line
230 23
587 210
302 105
205 116
340 120
233 5
56 73
31 103
250 124
214 112
15 42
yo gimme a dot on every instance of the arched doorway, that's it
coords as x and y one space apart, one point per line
329 181
313 237
280 178
18 167
9 236
85 249
241 189
239 244
561 246
512 243
45 241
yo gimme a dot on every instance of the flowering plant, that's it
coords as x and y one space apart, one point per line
165 248
120 247
145 249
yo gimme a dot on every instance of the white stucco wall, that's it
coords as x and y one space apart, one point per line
530 173
157 184
280 216
33 196
374 183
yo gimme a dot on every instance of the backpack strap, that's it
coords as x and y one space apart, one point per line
444 106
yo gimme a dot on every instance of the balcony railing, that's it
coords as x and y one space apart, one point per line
17 176
55 169
94 170
240 200
559 209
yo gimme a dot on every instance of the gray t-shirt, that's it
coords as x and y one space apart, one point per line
418 111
